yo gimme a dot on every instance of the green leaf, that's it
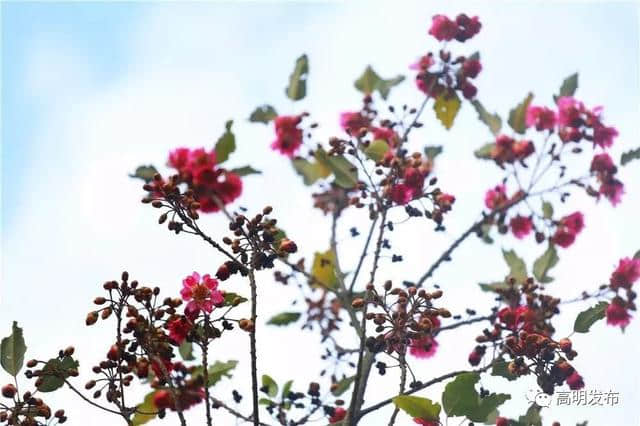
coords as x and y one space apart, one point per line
499 368
345 173
568 87
517 115
217 371
55 372
266 401
233 299
432 151
323 269
343 385
417 407
226 144
263 114
531 418
494 286
286 389
587 318
517 267
460 396
628 156
493 121
544 263
446 108
377 149
484 152
245 171
297 88
147 406
310 171
284 318
547 210
146 173
186 351
12 350
370 81
270 385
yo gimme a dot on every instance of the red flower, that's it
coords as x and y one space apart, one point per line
288 135
401 193
423 63
496 197
540 117
603 136
513 317
162 399
471 68
569 111
353 122
445 201
386 134
612 190
575 381
523 149
339 414
627 272
568 227
179 158
179 328
617 314
602 163
502 421
424 422
443 28
201 295
469 91
521 226
468 27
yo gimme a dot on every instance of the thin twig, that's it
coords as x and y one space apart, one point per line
252 339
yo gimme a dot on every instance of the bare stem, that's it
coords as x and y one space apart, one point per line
205 370
252 339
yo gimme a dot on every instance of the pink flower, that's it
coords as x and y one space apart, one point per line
443 28
179 158
575 381
569 111
617 314
574 222
496 197
471 68
423 348
445 201
339 414
288 135
540 117
386 134
627 273
603 136
353 123
523 149
521 226
423 63
602 163
563 238
222 185
201 295
179 328
612 190
401 193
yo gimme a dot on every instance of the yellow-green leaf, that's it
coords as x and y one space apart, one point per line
493 121
518 114
587 318
324 269
417 407
146 411
544 263
377 149
226 144
446 107
297 88
263 114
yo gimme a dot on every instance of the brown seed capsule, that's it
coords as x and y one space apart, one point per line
106 313
92 317
9 391
565 345
357 303
436 294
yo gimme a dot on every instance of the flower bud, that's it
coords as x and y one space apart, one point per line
357 303
92 317
288 246
9 391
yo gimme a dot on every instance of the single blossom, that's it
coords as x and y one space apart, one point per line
288 134
424 63
339 414
570 111
445 201
471 68
386 134
627 273
469 91
201 294
613 190
468 27
443 28
424 347
603 164
513 317
617 314
401 193
568 227
575 381
603 135
542 118
496 197
521 226
179 328
353 122
574 222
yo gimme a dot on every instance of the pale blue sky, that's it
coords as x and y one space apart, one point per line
90 90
